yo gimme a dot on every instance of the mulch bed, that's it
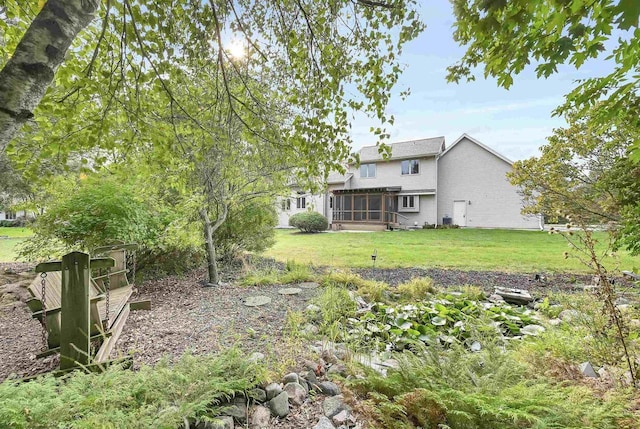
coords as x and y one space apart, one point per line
186 316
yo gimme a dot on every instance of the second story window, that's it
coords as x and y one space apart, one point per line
367 170
301 202
410 166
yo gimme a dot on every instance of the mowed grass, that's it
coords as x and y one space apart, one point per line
467 249
7 245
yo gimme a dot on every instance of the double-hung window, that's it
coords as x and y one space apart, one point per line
301 202
367 170
409 203
286 204
410 166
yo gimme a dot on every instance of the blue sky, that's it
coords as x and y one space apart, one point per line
514 122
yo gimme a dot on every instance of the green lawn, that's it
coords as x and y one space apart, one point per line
7 245
468 249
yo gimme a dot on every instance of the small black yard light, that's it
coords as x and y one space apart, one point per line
374 256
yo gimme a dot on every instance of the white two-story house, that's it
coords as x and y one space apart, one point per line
422 182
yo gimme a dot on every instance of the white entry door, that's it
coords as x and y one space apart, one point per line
460 213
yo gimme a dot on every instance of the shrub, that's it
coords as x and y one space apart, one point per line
487 390
309 222
97 211
417 288
249 227
162 396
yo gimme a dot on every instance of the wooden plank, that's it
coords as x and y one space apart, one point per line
97 263
140 305
46 267
118 298
75 327
116 331
34 305
54 350
105 249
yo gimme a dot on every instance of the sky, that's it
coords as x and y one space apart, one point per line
513 122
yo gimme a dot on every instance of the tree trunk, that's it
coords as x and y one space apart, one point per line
211 249
31 69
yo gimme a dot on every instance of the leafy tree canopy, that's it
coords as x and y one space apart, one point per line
503 37
325 60
584 174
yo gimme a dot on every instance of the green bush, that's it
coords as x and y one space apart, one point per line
162 396
88 212
309 222
491 389
249 227
97 211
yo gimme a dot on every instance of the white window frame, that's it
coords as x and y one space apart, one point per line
408 203
410 163
301 202
10 215
285 204
368 170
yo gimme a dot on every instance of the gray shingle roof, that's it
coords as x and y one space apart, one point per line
335 177
404 150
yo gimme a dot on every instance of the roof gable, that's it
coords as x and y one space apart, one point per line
478 143
404 150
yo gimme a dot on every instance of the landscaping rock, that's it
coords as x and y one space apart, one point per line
324 423
237 409
495 298
272 390
308 285
309 329
260 417
555 322
338 369
220 422
515 296
289 291
279 405
341 418
622 301
587 370
333 405
258 395
312 308
476 346
225 422
329 388
256 357
569 315
292 377
533 330
257 301
297 394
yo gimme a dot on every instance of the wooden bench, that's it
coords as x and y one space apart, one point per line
103 329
